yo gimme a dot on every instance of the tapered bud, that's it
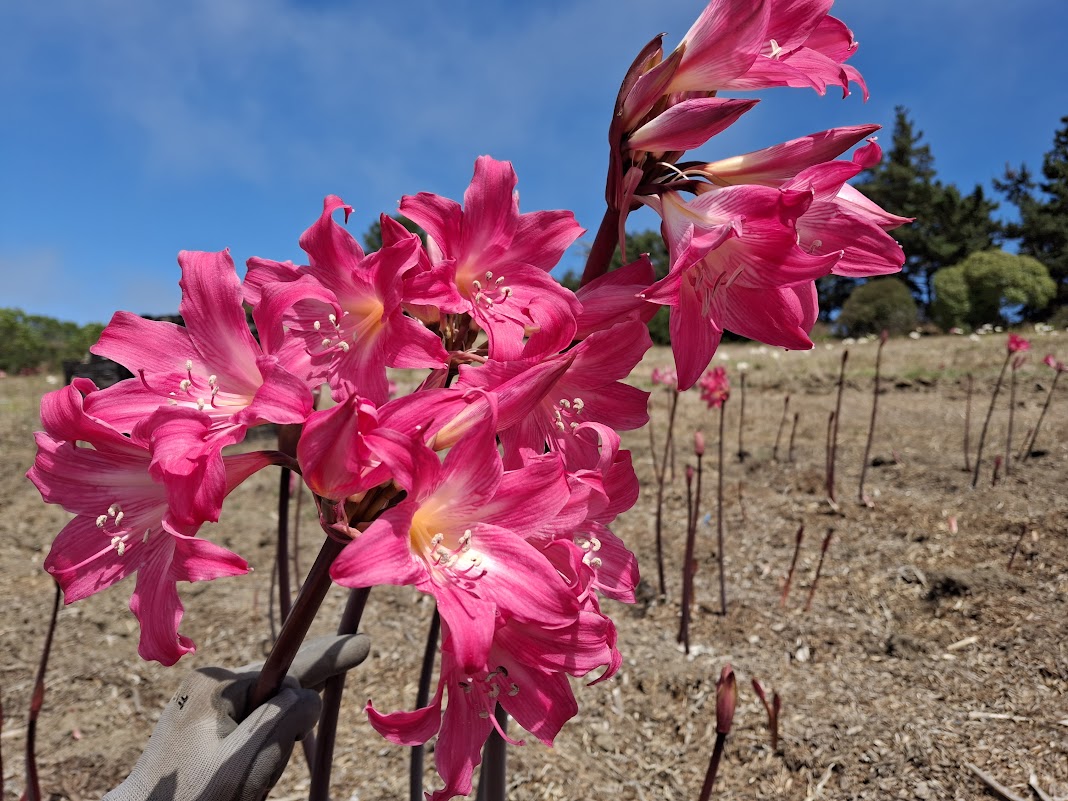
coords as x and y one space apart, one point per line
690 472
698 443
726 699
885 335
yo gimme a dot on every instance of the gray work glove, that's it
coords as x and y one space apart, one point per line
204 748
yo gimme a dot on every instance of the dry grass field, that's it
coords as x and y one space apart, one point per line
923 650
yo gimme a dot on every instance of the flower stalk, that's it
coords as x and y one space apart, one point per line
864 499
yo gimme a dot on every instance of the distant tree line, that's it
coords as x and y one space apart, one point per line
31 342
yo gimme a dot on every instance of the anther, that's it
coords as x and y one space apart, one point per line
114 509
513 691
332 318
326 343
344 346
101 520
144 539
317 325
489 276
185 384
118 518
595 562
188 364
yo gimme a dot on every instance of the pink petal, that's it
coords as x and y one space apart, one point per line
689 124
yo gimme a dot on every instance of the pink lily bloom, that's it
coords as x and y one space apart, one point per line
459 536
614 297
126 519
1017 344
736 265
589 389
212 365
834 221
1053 363
715 387
341 318
498 261
742 44
805 48
525 672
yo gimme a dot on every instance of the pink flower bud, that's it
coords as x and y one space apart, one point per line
698 443
726 699
1017 344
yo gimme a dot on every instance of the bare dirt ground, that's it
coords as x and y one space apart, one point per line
923 650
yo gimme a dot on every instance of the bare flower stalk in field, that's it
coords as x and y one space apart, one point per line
1016 546
689 563
833 447
997 471
1017 363
669 379
1015 344
828 451
968 424
864 499
782 425
726 700
773 708
742 453
793 565
793 436
720 533
1058 368
819 569
33 785
741 501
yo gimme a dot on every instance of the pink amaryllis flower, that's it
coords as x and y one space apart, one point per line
747 44
526 673
341 318
459 536
212 365
1017 344
666 377
715 387
126 519
1053 363
588 389
496 261
736 265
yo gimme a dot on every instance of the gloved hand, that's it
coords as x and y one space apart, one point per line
204 748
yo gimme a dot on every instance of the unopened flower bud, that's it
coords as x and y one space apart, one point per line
698 443
726 699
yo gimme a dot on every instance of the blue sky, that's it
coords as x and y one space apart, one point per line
131 130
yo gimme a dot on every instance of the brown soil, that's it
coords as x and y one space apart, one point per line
923 650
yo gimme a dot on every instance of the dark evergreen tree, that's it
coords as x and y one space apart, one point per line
948 225
1042 230
372 239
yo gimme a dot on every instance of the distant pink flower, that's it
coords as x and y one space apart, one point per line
496 262
1017 344
666 377
1053 363
127 521
341 318
715 387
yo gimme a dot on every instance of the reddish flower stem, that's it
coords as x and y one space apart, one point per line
793 435
968 425
33 785
782 425
1016 547
661 474
285 597
326 734
793 565
833 453
986 422
713 767
1012 411
422 696
1041 416
864 500
604 245
819 569
296 627
689 564
719 515
741 419
493 779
